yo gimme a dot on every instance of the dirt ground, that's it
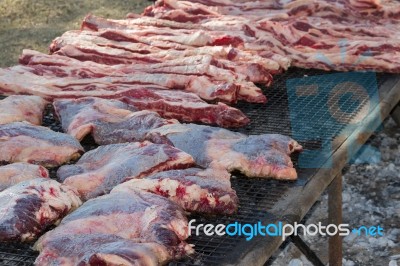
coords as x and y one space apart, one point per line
27 24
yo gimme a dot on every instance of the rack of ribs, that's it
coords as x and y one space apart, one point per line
30 207
100 170
218 73
161 37
187 107
123 49
272 64
108 121
266 155
18 108
177 104
194 189
298 30
208 88
193 65
23 142
137 216
200 85
15 173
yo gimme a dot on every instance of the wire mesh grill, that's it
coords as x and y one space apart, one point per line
258 196
285 113
16 254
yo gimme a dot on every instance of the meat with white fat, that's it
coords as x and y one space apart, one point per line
196 190
108 121
114 222
19 108
266 155
15 173
31 207
24 142
101 169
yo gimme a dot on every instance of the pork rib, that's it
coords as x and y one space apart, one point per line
194 189
17 108
112 56
23 142
310 33
201 74
30 207
185 107
201 10
112 47
111 29
220 23
330 47
15 173
204 10
167 103
136 216
200 85
189 37
100 170
63 66
255 156
136 41
164 34
108 121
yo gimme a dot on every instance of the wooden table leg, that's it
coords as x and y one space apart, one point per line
305 249
396 114
335 217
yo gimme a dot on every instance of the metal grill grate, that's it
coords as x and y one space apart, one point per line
256 196
16 255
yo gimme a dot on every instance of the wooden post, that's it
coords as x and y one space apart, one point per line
335 217
396 114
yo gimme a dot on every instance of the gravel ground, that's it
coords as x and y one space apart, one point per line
371 197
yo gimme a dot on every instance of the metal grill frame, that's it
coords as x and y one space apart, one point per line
263 200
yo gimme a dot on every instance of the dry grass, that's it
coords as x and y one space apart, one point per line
27 24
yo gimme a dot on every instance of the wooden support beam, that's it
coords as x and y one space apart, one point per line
396 114
335 217
305 249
